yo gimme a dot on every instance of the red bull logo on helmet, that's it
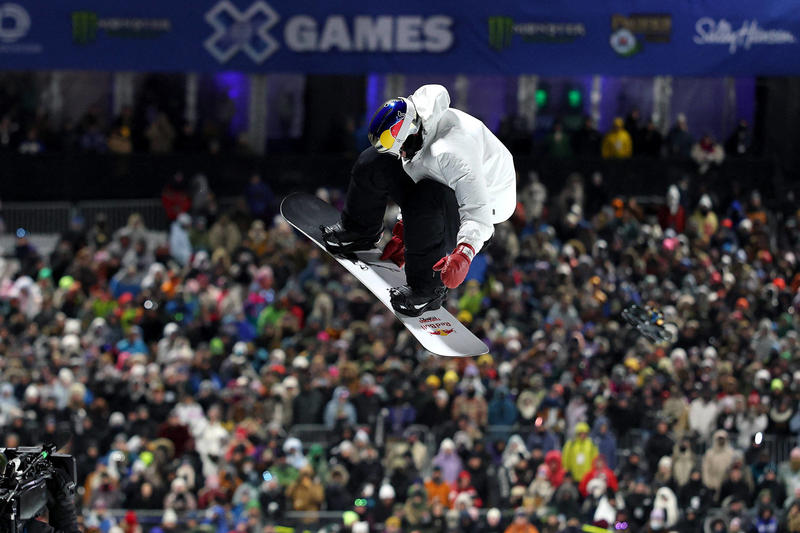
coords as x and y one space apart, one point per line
442 332
388 137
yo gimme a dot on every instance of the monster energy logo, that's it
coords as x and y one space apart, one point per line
84 26
502 29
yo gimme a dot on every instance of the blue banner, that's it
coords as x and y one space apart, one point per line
546 37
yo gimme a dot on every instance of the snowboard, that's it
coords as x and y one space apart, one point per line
437 331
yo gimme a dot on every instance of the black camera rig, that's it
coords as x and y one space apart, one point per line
26 473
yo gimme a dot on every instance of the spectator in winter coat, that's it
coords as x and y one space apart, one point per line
514 452
521 523
679 140
750 422
175 197
339 410
180 247
438 490
665 499
703 413
617 143
464 486
707 153
736 486
416 512
703 224
716 460
224 234
789 473
306 493
659 445
600 470
683 462
605 440
555 470
769 483
449 461
766 521
337 497
543 437
579 453
472 405
672 215
502 411
259 198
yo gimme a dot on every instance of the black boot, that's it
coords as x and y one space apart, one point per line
339 240
409 302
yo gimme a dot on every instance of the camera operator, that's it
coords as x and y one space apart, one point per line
60 514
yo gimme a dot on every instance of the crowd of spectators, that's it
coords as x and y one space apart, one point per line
151 130
180 370
630 137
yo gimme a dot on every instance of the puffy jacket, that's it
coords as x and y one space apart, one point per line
578 456
555 472
459 151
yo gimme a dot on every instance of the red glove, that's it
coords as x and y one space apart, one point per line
455 266
395 249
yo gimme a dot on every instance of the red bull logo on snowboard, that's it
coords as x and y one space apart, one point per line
436 326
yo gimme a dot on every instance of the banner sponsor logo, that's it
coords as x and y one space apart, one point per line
246 31
15 23
249 32
86 23
502 29
629 31
722 32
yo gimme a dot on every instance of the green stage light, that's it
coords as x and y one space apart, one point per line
541 98
574 98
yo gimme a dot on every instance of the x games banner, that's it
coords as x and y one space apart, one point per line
633 37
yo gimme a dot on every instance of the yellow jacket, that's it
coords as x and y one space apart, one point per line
578 456
617 144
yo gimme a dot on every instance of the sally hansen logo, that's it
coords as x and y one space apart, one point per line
709 31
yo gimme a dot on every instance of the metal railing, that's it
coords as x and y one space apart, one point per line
54 217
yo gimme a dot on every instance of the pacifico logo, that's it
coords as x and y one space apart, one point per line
248 31
502 29
628 32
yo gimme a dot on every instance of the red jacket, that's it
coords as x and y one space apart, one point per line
555 470
599 470
676 221
469 489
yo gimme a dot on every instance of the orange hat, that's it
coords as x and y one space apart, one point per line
742 303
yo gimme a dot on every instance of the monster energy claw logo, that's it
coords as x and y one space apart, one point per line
84 26
501 29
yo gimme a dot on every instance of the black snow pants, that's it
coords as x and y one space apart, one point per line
430 213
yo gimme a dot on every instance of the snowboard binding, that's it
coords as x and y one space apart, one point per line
650 322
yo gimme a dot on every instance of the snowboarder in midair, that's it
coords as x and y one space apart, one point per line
453 182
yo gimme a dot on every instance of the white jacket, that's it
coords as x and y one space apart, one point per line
459 151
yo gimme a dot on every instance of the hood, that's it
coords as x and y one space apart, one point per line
717 434
431 101
601 420
553 456
516 439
